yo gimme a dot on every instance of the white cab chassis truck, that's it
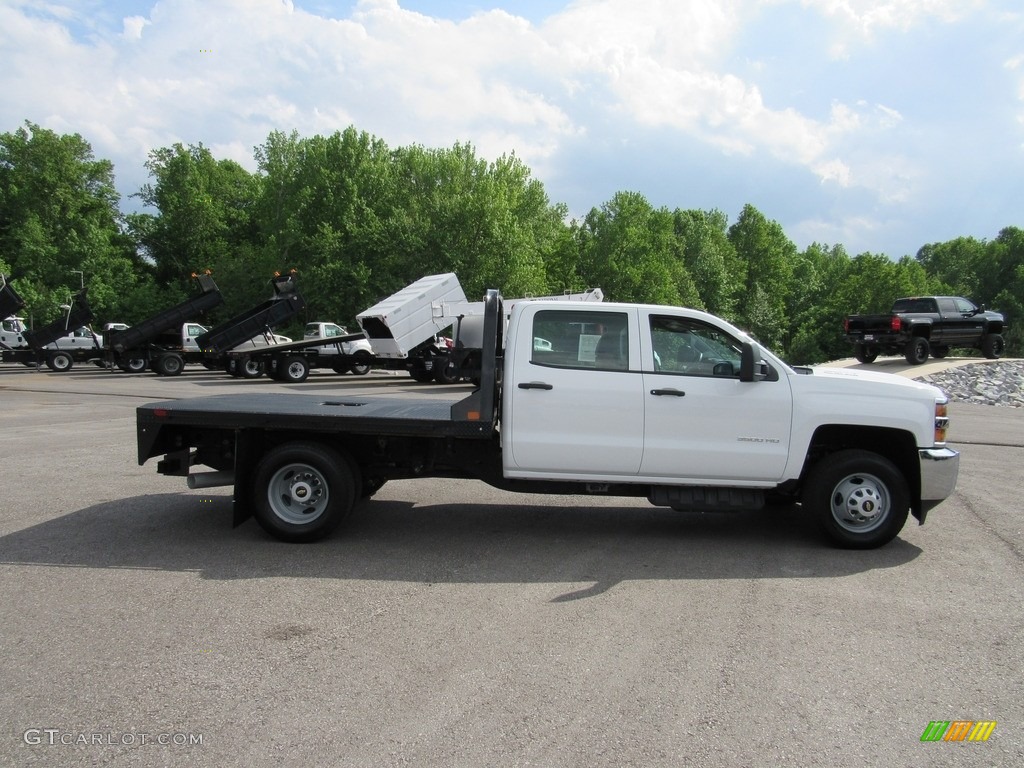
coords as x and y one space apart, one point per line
670 404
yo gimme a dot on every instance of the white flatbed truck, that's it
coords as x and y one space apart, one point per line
666 403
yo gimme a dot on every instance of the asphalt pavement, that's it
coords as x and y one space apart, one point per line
450 624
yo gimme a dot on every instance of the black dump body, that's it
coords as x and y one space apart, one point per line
10 302
149 330
287 303
78 315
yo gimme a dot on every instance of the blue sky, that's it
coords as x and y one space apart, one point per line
880 125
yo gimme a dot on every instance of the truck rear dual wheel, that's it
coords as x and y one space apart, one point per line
361 366
251 369
133 364
293 369
860 499
916 350
170 365
303 490
446 372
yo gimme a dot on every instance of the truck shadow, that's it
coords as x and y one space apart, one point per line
389 540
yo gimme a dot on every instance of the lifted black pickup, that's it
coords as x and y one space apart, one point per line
920 326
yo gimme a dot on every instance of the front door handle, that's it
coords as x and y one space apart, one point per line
535 385
668 392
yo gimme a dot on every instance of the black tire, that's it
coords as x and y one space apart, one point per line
859 498
992 346
446 372
917 350
864 353
340 368
303 490
294 369
59 362
361 366
133 365
170 365
421 375
251 369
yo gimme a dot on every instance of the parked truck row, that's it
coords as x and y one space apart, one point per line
405 331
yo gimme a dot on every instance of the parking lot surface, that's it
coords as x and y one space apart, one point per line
450 624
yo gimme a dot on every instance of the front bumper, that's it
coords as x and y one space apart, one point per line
939 470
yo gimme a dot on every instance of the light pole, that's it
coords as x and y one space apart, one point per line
81 277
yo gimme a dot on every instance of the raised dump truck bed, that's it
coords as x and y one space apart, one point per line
149 330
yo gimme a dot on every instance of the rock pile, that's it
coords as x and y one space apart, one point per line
999 383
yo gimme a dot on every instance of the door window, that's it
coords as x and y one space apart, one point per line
692 348
581 339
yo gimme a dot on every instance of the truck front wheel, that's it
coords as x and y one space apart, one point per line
59 362
302 491
992 346
917 350
859 498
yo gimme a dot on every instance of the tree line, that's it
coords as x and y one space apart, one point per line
359 220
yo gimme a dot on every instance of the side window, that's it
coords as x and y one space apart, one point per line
581 339
965 307
195 330
692 348
947 306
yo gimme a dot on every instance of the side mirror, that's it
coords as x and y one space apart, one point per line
752 367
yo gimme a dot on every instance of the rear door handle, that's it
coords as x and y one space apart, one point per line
668 392
535 385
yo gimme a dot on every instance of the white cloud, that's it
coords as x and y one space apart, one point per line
594 74
133 26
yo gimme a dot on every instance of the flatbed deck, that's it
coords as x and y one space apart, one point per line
304 413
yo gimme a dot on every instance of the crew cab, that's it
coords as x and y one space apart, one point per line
666 403
921 325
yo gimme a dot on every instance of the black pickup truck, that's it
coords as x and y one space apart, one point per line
919 326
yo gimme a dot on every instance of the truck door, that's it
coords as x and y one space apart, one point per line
962 325
700 421
574 404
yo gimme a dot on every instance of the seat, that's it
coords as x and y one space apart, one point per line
609 352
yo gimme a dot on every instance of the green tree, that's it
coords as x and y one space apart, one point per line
767 256
708 255
630 250
204 214
60 226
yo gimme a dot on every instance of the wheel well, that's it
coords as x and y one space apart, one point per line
898 446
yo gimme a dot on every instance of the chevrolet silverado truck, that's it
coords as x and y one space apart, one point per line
666 403
920 326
